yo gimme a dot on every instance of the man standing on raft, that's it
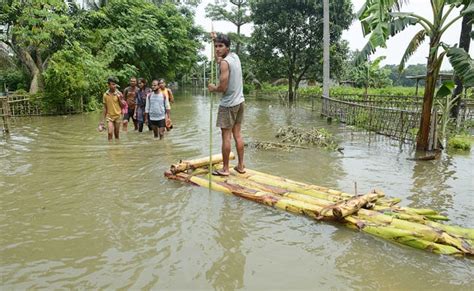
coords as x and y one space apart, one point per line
231 107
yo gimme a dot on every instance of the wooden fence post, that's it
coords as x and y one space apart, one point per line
6 114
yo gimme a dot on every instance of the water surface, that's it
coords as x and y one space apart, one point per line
80 212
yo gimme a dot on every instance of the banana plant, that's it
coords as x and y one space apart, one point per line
445 104
382 19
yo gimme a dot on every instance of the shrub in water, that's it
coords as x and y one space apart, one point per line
462 143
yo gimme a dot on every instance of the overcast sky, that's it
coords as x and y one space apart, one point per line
395 46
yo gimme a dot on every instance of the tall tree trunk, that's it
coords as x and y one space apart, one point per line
326 59
37 84
430 85
464 43
35 71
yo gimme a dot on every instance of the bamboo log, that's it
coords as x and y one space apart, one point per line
315 208
196 163
404 237
428 233
413 229
327 201
278 201
467 233
411 211
348 207
308 189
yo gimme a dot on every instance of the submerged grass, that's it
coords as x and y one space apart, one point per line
314 136
460 143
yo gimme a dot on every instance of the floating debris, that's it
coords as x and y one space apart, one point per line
266 145
316 136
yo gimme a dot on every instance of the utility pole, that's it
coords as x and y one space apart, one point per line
326 59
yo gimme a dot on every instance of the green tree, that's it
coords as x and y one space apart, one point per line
340 62
238 15
287 36
34 30
141 38
400 78
382 19
369 74
75 76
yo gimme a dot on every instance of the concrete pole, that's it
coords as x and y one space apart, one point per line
326 60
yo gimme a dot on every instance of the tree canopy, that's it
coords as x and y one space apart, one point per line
68 50
287 36
237 15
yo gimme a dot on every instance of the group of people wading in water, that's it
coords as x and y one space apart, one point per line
139 103
152 106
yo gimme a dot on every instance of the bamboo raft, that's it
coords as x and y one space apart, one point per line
372 213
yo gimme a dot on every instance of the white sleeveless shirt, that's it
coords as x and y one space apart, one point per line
234 94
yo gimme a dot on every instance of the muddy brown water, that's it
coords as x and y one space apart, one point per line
80 212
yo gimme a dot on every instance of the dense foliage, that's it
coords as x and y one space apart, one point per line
287 37
34 30
369 74
68 52
343 90
383 19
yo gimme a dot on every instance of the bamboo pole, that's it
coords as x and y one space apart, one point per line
6 114
197 163
404 237
210 106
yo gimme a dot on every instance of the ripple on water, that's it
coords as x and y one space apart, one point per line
80 212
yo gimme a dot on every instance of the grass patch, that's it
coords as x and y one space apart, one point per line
460 143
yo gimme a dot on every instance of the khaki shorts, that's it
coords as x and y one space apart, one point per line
227 117
115 120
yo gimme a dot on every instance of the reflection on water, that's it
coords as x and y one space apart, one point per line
430 185
80 212
227 272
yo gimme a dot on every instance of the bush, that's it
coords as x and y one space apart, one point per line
460 142
15 79
74 74
248 88
343 90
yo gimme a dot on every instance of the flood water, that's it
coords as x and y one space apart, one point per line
80 212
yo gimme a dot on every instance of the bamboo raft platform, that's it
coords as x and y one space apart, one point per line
373 213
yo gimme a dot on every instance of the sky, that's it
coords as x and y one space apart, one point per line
395 47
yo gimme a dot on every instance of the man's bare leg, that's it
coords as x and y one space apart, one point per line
162 132
239 145
110 129
116 129
226 147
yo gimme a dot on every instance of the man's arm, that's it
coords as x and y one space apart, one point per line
167 107
104 112
223 79
147 107
170 94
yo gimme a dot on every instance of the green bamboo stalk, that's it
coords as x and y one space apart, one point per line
404 237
